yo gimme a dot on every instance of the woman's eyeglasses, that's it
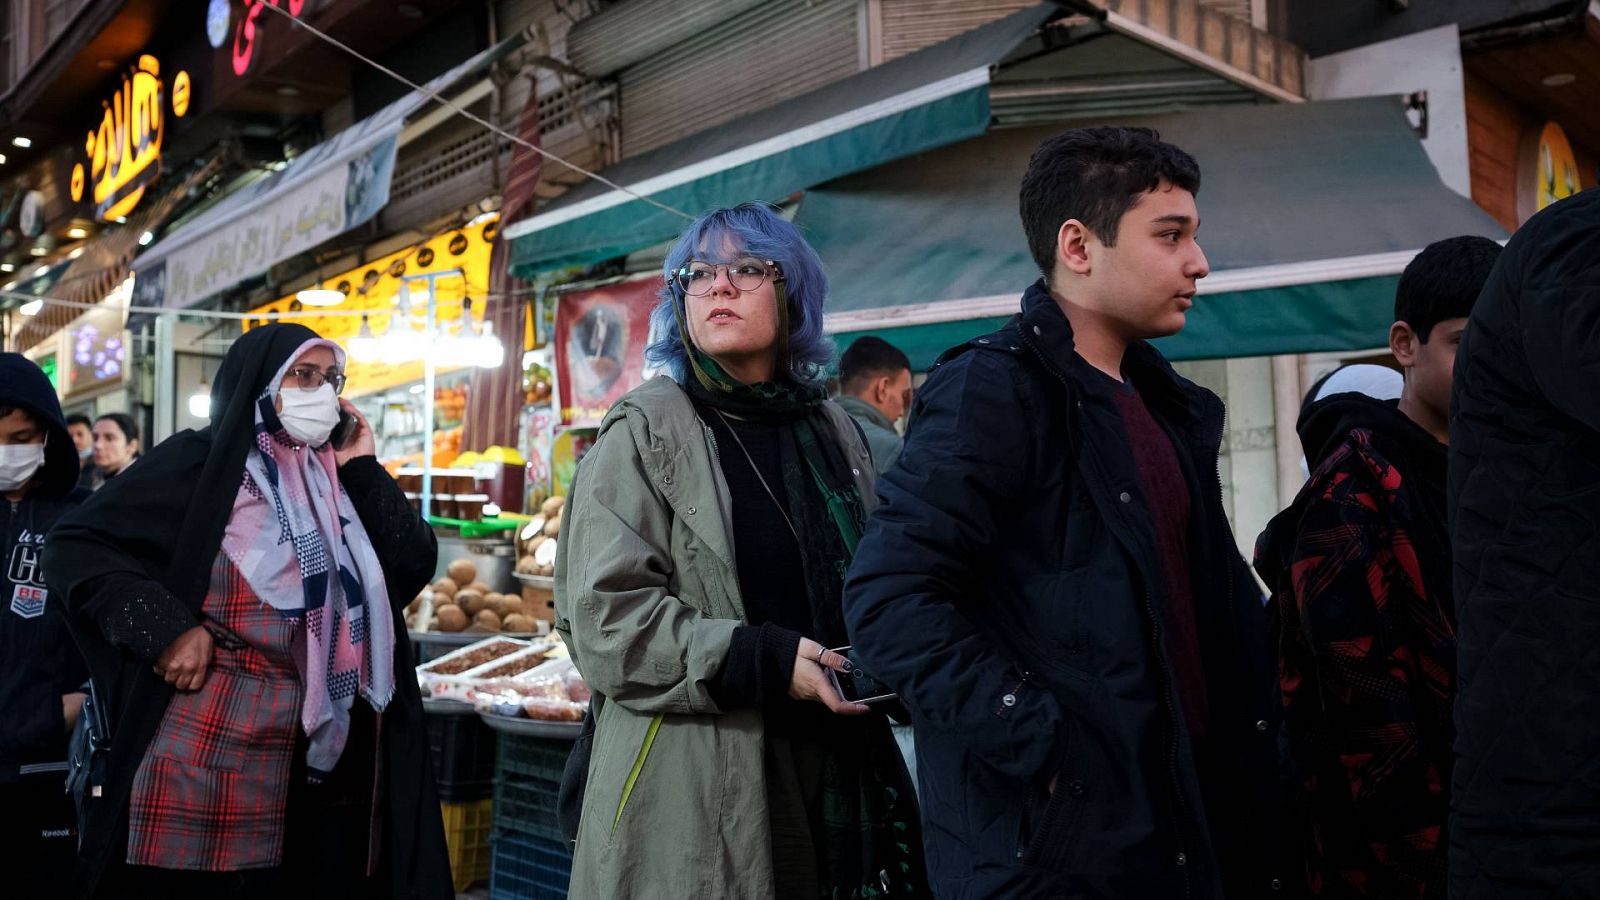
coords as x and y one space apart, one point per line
310 378
696 278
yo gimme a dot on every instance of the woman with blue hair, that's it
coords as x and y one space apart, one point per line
700 574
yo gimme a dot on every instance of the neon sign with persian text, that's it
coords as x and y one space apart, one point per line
124 152
248 32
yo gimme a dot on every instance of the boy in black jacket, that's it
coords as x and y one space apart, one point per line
42 672
1051 584
1359 567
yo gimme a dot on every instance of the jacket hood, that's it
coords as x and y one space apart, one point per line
1325 424
1323 427
23 384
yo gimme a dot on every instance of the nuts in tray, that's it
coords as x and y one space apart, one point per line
473 657
513 667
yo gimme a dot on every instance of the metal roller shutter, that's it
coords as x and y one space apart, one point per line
779 50
635 30
910 25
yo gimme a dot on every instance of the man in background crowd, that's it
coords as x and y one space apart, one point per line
82 430
875 389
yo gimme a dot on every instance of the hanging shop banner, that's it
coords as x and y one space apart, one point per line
331 188
375 289
331 201
122 155
600 340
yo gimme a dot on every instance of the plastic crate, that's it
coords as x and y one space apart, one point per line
466 839
527 806
463 751
528 868
530 757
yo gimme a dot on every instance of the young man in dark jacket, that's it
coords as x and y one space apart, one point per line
1525 531
1359 567
42 671
1051 584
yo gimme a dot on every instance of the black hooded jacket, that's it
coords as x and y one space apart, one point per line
133 567
41 664
1359 569
1525 523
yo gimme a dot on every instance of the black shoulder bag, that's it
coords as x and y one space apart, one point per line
88 751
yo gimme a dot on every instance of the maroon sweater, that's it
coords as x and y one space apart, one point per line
1166 496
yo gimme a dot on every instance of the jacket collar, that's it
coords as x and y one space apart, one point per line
1046 328
861 409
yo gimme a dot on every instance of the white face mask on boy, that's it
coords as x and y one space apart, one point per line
309 415
18 463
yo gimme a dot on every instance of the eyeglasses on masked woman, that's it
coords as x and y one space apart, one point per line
309 377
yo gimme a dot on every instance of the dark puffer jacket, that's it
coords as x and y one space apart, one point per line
1004 588
1525 528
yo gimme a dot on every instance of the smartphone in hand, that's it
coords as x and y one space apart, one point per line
856 686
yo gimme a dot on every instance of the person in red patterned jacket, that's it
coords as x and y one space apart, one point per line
1359 568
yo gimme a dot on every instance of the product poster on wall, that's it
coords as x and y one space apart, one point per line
600 339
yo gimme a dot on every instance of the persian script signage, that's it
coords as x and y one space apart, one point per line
247 31
122 157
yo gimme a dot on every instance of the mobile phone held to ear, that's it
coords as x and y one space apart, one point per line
344 431
856 686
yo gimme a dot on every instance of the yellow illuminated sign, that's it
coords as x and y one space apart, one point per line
374 288
1558 167
124 152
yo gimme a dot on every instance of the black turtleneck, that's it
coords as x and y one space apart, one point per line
767 558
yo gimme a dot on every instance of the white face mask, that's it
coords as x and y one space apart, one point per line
309 415
18 462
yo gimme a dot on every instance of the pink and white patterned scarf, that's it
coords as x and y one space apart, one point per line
296 539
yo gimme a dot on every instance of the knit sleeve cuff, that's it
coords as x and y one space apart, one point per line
140 616
759 666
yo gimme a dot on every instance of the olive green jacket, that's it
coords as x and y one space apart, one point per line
647 597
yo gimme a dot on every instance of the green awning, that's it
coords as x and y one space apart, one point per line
1309 213
928 99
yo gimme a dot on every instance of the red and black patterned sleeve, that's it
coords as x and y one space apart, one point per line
1362 688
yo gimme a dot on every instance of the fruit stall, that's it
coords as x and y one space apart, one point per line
503 701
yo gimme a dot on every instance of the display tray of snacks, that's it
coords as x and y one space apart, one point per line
549 700
548 582
477 653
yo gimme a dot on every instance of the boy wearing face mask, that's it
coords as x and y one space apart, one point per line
42 671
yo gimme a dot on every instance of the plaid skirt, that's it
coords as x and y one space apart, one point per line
212 791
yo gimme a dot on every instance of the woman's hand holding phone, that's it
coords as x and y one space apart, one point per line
811 679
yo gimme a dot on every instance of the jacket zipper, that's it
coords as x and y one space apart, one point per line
1175 799
638 766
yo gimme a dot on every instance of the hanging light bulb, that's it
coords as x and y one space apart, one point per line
200 402
364 347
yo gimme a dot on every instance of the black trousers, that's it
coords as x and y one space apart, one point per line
38 837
